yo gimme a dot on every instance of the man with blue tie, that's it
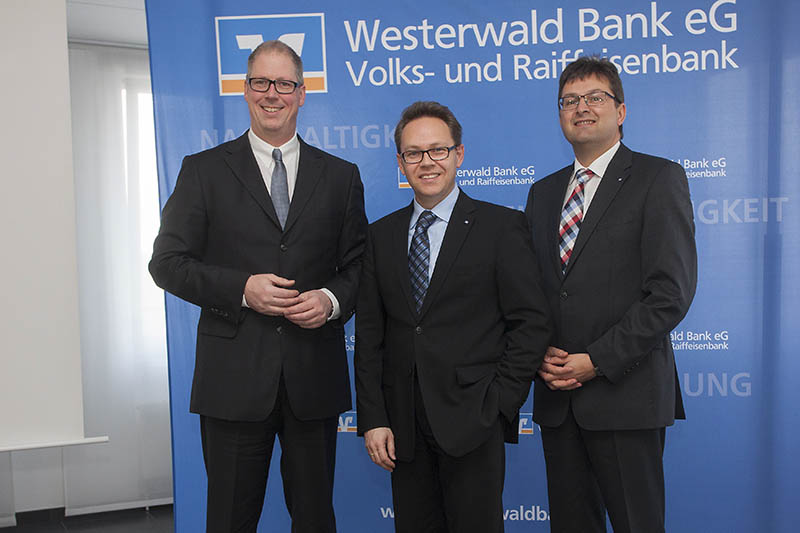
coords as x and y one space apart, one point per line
450 329
265 233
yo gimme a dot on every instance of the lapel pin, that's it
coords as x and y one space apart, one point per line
466 222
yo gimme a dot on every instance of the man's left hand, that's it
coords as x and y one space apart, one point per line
312 311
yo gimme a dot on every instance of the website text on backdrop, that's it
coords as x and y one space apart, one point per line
265 233
451 327
613 234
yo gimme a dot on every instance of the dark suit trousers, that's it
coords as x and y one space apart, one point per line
438 493
237 457
589 472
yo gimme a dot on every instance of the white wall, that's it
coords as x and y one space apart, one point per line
39 327
40 386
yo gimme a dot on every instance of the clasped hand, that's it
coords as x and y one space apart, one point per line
273 295
566 371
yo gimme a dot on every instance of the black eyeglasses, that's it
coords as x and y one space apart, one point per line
436 154
594 98
262 85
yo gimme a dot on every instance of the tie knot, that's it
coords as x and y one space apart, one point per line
277 155
426 218
583 175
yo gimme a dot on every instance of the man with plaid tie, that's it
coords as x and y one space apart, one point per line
614 237
450 328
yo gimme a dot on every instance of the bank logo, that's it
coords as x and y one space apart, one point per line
348 423
526 424
238 36
402 182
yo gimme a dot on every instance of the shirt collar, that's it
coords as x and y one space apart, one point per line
599 165
264 149
442 210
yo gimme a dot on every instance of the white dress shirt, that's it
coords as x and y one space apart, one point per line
598 167
290 154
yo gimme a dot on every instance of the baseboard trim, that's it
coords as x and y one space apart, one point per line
77 511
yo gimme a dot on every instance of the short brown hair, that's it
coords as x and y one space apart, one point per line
586 66
428 109
281 48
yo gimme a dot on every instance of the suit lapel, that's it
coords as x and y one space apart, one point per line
554 216
399 253
309 172
243 164
619 169
461 221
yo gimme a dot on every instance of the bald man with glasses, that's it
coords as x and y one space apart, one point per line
265 233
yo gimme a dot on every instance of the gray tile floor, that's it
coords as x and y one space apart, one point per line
151 520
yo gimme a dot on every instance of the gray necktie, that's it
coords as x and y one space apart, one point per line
280 187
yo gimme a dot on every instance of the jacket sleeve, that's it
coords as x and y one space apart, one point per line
526 315
669 276
177 264
368 362
350 248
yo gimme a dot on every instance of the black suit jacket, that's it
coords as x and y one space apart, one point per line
219 227
629 282
476 343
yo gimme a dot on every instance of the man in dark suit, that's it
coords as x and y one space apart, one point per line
614 236
450 329
265 233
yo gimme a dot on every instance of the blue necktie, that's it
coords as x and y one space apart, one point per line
419 257
280 187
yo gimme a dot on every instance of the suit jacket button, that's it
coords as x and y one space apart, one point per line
418 330
564 295
279 329
284 247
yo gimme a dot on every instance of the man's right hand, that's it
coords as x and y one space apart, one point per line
269 294
380 447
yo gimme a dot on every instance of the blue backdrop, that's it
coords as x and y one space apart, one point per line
711 84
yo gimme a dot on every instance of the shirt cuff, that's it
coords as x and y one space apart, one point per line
336 311
244 302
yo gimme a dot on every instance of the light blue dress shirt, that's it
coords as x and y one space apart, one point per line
443 210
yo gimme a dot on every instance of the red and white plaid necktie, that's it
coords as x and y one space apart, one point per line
571 217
